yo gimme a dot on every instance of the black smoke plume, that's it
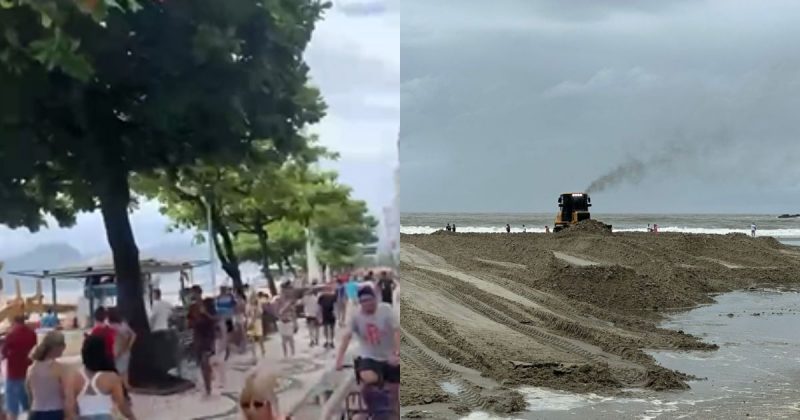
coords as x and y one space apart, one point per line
633 171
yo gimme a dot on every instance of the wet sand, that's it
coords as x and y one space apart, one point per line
574 312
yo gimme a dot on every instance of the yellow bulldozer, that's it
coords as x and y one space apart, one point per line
572 208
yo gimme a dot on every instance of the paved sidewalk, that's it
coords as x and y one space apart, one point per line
310 371
299 376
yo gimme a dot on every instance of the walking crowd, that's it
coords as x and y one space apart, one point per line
38 383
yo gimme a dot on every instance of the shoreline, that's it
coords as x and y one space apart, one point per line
579 337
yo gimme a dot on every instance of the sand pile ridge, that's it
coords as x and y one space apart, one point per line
505 306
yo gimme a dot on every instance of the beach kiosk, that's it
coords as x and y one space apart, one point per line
96 285
99 281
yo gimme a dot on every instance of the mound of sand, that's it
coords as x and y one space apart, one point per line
538 320
588 226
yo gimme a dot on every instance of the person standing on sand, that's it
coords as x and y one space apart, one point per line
448 228
547 229
454 228
19 342
508 228
524 229
753 230
48 379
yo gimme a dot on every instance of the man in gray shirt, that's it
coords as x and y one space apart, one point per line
378 364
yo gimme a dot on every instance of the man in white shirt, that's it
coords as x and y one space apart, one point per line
159 313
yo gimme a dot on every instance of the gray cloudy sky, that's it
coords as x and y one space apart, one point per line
506 104
355 60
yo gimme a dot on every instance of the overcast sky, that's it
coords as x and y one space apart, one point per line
355 60
506 104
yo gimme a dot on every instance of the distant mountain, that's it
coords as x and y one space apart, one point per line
175 251
46 256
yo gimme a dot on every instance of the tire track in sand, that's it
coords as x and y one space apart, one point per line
629 373
468 394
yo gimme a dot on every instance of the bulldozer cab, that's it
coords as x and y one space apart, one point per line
573 207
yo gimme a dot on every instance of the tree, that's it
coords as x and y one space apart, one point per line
177 83
241 199
287 239
341 230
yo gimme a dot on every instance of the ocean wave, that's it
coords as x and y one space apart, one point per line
776 233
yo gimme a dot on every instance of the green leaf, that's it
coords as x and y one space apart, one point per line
12 37
46 20
76 66
134 6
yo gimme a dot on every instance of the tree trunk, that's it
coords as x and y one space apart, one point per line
114 201
289 265
228 258
263 237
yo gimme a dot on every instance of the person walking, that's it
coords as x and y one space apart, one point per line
524 229
124 337
378 364
311 309
203 322
351 289
103 330
386 285
255 325
225 311
19 342
48 380
95 389
287 332
160 313
328 301
341 300
547 229
753 230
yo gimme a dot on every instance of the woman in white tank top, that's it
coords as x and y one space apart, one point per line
96 389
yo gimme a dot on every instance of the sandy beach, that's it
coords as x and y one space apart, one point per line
484 314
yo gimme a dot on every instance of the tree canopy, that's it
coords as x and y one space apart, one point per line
261 208
92 91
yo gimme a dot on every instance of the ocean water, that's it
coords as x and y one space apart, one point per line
754 374
786 230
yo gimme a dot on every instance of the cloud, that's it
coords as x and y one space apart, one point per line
634 78
536 97
361 8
